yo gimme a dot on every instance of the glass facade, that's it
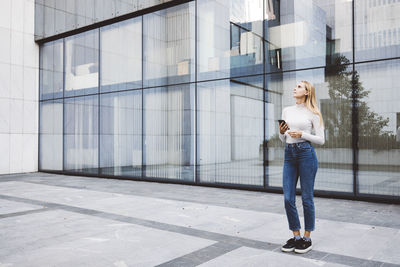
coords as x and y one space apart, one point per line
121 56
168 46
82 64
121 133
51 135
335 157
168 132
192 93
377 29
379 127
51 70
230 132
229 38
81 147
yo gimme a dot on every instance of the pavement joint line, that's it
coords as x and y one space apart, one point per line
187 200
25 212
238 241
202 255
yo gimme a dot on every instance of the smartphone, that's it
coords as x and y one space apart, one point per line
280 122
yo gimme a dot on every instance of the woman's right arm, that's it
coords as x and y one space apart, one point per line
283 136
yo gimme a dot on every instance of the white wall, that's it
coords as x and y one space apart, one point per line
19 61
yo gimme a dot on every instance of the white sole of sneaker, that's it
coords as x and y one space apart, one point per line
287 249
301 251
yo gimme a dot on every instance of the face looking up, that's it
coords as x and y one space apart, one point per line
300 90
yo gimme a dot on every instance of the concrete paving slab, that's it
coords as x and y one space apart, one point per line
260 226
379 214
250 257
7 207
60 238
217 226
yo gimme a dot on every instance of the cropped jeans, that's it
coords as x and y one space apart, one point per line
300 161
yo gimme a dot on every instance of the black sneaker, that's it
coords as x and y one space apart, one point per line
303 246
290 245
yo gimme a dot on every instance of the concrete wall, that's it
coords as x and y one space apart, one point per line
19 61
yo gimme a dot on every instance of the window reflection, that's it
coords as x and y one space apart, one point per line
230 38
121 56
81 134
379 122
304 34
169 50
169 132
121 133
230 131
82 64
51 70
51 135
334 96
377 29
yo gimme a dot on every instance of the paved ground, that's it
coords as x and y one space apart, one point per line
57 220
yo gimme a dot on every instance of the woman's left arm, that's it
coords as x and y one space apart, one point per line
319 137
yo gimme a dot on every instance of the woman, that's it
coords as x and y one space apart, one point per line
301 161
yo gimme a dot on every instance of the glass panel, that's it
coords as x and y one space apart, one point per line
121 56
377 29
60 19
379 127
121 133
169 132
89 11
51 70
82 64
73 14
39 20
308 33
230 132
81 134
49 20
169 49
51 135
104 9
230 38
335 156
70 17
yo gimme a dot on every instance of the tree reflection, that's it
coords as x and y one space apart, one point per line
337 110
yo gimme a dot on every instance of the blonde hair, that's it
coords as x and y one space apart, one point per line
311 101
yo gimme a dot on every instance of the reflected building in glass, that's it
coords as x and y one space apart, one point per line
191 91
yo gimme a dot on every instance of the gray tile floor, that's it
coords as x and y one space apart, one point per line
58 220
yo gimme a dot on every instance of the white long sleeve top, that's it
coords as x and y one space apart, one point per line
300 118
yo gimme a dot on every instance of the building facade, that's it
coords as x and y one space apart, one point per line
19 87
191 91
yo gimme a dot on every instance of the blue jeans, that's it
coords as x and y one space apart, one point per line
300 161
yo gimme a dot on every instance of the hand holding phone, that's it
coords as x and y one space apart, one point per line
283 127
